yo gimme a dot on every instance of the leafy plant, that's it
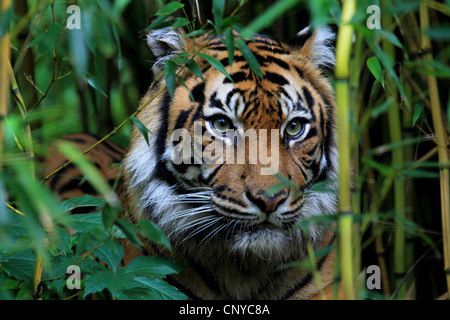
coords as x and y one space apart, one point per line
94 245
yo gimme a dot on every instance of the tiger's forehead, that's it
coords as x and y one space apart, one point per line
251 99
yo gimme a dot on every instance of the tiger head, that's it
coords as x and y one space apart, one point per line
232 159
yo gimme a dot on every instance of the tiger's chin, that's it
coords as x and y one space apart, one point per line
264 242
268 243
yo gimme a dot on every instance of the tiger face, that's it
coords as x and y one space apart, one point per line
232 159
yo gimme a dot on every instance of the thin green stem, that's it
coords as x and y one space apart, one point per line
442 143
343 53
5 53
395 135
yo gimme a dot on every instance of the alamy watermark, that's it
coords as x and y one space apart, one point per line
373 280
374 20
74 20
74 279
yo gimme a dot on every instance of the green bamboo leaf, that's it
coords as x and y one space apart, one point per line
429 67
195 69
391 38
382 108
159 22
119 6
79 52
169 8
416 173
427 164
229 42
268 16
48 42
93 82
284 182
6 17
217 9
195 33
274 189
170 76
375 68
141 127
216 64
249 57
181 81
438 33
417 114
405 142
180 22
36 40
229 22
180 60
388 64
382 168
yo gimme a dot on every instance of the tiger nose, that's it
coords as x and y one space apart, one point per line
267 204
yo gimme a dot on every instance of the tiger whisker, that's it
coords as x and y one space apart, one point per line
208 224
194 223
199 221
188 212
214 232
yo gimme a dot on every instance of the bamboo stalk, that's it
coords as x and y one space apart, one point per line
442 143
5 53
37 273
357 97
345 222
23 111
27 56
314 270
395 135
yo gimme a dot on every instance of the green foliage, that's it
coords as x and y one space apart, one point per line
95 248
375 67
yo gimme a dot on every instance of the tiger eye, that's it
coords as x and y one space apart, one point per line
295 127
222 124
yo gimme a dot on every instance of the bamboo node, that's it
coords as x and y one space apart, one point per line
421 52
345 212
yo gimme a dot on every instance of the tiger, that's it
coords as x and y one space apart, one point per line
234 225
69 181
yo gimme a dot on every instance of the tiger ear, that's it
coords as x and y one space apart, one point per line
165 44
316 45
